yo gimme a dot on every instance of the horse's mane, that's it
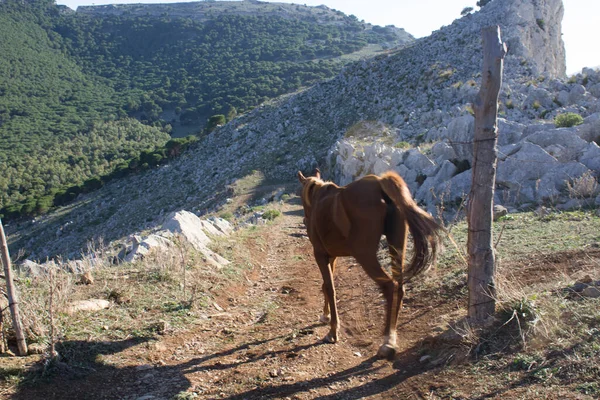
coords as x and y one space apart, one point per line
313 183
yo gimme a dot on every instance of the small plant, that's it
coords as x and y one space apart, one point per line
227 216
541 23
536 105
446 74
466 10
509 104
568 120
402 145
271 214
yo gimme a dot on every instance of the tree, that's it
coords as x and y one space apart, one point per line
466 10
482 3
214 121
482 260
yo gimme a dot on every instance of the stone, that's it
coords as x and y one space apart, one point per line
31 269
460 135
442 151
577 94
189 226
36 348
415 160
210 228
509 132
221 224
87 305
499 211
572 145
591 291
579 286
86 278
591 157
521 171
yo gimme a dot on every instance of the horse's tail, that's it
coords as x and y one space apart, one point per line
424 229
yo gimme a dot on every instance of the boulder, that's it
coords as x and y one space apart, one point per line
442 151
87 305
142 246
591 158
509 132
415 160
189 226
555 180
590 129
577 94
460 135
210 228
564 142
222 225
499 211
31 268
457 188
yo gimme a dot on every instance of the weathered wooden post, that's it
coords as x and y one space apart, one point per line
11 292
482 291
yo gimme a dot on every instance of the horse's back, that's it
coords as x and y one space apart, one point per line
361 202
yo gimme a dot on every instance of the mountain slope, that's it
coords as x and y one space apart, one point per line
66 76
413 90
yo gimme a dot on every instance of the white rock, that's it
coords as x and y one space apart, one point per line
87 305
189 226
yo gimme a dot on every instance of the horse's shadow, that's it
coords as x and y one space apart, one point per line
122 382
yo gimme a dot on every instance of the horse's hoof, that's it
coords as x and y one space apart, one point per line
386 351
325 319
330 338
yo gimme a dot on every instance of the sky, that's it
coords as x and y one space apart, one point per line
422 17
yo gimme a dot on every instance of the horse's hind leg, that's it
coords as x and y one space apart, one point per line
397 235
389 287
326 317
329 294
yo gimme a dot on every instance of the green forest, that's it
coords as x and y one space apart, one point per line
85 99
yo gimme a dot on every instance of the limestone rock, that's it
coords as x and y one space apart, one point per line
87 305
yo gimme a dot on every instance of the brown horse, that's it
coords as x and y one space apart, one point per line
349 221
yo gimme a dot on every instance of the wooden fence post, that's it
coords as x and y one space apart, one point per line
482 268
13 299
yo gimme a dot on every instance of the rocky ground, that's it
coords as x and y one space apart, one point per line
260 337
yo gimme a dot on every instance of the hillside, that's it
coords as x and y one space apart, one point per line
418 95
67 75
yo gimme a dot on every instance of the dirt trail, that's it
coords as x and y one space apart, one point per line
263 339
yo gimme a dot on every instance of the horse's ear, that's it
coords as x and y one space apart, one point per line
301 177
318 173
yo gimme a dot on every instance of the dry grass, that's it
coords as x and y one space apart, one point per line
544 334
584 187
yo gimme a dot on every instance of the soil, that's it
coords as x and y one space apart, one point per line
262 340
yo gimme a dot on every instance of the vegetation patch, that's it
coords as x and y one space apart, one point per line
568 120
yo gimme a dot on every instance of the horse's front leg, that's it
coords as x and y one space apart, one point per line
330 313
326 316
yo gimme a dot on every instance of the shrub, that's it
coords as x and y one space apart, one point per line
541 23
271 214
568 120
227 216
583 187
